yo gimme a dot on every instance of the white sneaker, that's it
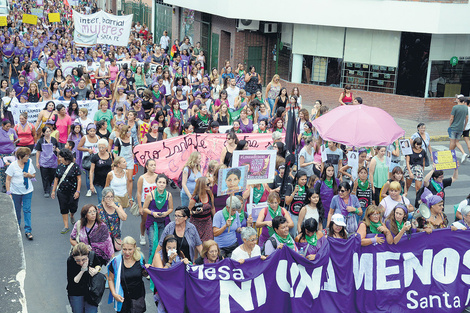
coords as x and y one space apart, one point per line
88 193
464 157
142 240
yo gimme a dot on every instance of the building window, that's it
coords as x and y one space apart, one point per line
369 77
446 80
322 71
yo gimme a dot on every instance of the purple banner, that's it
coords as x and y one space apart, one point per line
426 273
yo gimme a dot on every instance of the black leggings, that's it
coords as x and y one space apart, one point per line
47 176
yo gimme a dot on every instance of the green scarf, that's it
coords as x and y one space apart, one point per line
226 213
133 68
257 194
307 134
204 119
262 131
399 225
250 117
260 100
177 75
301 190
287 241
312 240
436 186
273 215
279 130
154 247
363 185
177 114
160 199
329 183
373 227
156 94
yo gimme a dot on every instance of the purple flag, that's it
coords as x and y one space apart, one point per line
425 273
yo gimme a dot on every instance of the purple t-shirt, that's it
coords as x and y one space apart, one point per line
6 141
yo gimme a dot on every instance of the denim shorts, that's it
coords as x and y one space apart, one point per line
454 134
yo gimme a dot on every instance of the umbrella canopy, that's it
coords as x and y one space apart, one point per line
358 126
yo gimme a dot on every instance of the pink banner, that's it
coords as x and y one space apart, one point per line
171 154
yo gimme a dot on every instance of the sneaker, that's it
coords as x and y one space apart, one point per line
88 193
46 195
142 240
65 230
464 157
72 219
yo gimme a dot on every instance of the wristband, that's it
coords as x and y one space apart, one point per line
78 191
8 192
357 211
374 240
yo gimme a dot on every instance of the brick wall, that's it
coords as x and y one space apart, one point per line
419 109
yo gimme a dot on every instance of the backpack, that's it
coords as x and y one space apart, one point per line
179 182
273 242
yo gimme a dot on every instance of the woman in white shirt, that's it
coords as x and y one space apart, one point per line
249 248
20 187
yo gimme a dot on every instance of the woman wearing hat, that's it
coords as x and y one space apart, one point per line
372 227
397 222
438 218
337 227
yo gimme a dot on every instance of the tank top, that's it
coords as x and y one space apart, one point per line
146 188
347 99
312 213
274 92
89 145
150 138
263 116
222 120
25 134
119 185
380 173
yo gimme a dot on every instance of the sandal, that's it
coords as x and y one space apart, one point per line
29 236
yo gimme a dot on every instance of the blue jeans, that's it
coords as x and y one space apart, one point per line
79 305
184 198
271 105
151 233
87 179
293 230
23 202
99 192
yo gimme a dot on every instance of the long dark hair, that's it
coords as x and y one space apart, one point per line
84 212
323 177
320 209
168 239
309 224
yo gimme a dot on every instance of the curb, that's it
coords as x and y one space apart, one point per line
436 138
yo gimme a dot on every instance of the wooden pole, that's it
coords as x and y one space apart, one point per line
230 212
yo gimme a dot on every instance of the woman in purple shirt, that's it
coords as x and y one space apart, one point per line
8 138
246 125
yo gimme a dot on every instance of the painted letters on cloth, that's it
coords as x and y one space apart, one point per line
33 109
427 273
101 28
171 154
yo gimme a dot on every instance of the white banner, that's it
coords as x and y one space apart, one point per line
33 109
68 66
102 28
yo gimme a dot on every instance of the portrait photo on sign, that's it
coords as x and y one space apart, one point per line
405 146
261 164
232 180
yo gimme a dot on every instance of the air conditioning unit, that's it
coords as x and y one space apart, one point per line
248 25
270 28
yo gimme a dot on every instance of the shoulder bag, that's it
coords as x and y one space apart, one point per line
96 285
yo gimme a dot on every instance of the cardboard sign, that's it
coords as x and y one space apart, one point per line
53 17
232 180
3 21
445 160
30 19
261 164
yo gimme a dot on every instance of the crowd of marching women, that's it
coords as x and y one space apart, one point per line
148 92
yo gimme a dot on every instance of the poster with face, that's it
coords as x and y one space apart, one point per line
405 146
261 165
232 180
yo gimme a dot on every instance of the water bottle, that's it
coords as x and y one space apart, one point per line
302 251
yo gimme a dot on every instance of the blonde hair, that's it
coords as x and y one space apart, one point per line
394 185
192 160
103 102
274 77
131 241
80 249
83 110
371 209
117 160
206 245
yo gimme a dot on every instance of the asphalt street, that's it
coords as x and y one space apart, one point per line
46 255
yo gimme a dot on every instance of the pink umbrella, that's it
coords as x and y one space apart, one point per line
358 126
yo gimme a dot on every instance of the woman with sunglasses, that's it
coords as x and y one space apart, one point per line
346 204
372 227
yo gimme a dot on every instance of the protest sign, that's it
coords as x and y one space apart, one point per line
444 160
38 12
3 21
261 165
405 147
53 17
101 28
232 180
30 19
173 153
33 109
428 273
67 67
39 3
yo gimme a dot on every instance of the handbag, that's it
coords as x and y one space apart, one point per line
117 242
96 286
86 162
135 208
